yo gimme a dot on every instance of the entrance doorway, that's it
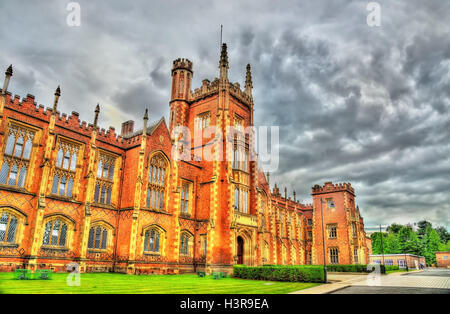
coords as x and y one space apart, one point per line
240 250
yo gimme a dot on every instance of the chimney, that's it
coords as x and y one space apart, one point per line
127 128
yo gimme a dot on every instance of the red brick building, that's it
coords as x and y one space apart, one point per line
71 191
443 259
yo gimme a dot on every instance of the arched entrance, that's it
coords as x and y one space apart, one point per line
240 250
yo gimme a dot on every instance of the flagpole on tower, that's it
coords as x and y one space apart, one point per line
221 28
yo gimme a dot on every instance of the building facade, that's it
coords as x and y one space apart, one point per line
400 260
443 259
72 192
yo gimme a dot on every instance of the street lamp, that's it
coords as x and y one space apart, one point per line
382 250
323 244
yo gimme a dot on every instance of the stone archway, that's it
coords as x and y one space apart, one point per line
244 247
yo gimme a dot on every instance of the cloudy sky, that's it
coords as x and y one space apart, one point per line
359 104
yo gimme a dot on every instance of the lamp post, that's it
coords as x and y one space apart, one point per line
323 244
382 250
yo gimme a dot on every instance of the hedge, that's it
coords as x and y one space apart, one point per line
294 273
360 268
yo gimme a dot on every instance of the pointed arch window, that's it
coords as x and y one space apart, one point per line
65 167
156 182
105 179
55 233
152 241
8 228
17 154
185 243
98 237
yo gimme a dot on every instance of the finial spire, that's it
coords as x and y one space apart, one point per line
248 81
9 70
144 132
285 192
97 111
295 197
223 64
268 178
8 74
55 103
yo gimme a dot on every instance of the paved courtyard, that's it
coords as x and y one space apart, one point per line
426 281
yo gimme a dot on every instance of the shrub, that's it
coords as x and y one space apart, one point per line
294 273
360 268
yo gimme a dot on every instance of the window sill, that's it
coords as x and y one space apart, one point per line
9 245
93 251
103 205
53 248
15 189
184 215
157 211
152 254
62 198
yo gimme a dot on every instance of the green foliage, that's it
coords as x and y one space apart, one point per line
431 245
359 268
394 228
376 242
422 227
401 239
444 247
294 273
443 234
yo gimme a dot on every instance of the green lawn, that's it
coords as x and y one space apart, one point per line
395 271
166 284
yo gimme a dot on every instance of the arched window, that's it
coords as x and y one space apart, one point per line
16 159
152 241
105 179
156 182
8 227
98 237
185 243
55 233
66 161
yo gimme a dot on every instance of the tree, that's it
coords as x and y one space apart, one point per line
395 228
444 235
392 244
408 241
444 247
422 227
376 242
432 242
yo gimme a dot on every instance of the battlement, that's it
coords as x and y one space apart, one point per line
329 187
182 63
70 122
235 90
207 89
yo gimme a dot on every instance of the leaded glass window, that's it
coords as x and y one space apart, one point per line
98 238
8 227
65 167
55 233
105 179
152 240
16 160
156 182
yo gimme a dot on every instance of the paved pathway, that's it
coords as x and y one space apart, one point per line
429 278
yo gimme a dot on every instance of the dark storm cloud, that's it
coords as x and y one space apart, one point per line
369 105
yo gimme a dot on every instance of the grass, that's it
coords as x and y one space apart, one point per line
395 271
94 283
